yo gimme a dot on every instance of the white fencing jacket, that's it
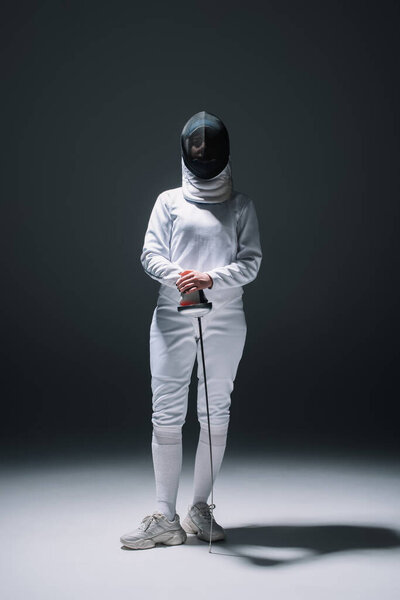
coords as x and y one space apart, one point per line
205 226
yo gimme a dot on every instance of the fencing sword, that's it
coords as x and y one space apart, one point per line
196 305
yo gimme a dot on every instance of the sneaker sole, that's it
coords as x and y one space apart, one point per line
190 527
179 537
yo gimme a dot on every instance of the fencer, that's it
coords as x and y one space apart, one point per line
210 231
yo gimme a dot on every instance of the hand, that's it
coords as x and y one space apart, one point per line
193 281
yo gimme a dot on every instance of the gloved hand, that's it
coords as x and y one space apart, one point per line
192 281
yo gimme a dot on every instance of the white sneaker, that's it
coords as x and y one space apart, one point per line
155 529
198 520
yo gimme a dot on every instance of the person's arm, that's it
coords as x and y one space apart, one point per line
249 254
156 252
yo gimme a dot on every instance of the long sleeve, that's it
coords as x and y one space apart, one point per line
155 257
249 253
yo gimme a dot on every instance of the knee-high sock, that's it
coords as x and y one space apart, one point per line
202 467
167 461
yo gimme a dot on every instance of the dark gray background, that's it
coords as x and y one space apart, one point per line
95 96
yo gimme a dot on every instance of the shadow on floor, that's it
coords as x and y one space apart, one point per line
306 542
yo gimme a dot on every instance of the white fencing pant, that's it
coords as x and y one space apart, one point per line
174 346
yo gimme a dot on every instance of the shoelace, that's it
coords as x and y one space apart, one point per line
205 511
146 522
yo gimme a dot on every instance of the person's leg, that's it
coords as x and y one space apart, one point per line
172 356
202 467
167 460
224 336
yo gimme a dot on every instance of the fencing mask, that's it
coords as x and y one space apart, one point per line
205 145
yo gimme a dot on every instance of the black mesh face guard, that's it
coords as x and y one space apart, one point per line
205 145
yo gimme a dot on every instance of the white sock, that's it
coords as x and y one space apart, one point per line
202 467
167 461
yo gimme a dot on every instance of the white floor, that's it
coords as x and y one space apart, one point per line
298 527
